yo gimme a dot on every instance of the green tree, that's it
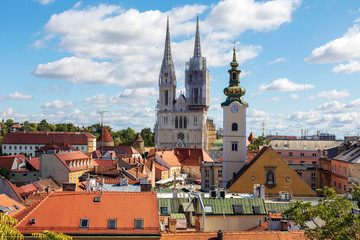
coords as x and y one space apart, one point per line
7 230
50 235
257 142
148 137
4 172
44 126
127 136
61 127
335 211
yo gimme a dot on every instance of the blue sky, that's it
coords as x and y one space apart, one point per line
65 60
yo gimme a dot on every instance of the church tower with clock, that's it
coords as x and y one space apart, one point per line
234 124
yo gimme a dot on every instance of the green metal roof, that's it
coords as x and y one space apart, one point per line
218 145
221 205
177 215
174 205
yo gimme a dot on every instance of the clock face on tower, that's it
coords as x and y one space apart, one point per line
234 109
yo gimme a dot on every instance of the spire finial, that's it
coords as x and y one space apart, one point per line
234 54
197 48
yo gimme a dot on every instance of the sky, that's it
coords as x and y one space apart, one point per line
64 61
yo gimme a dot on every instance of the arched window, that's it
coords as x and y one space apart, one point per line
185 123
180 123
176 122
234 76
234 127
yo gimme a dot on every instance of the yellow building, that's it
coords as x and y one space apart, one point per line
270 170
169 160
65 167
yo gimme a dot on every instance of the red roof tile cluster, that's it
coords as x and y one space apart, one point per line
65 146
70 207
191 156
121 151
73 138
169 157
105 136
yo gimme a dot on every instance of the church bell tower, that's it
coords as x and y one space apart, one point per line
234 124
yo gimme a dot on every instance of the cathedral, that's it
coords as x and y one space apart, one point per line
182 122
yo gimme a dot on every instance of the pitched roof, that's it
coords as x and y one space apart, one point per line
7 162
251 137
105 136
121 151
65 158
191 156
73 138
350 154
298 144
244 235
9 206
75 206
139 138
169 157
6 187
33 161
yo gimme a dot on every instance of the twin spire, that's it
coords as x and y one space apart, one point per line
167 60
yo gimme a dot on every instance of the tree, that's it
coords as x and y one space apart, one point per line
148 137
50 235
7 230
337 218
4 172
257 142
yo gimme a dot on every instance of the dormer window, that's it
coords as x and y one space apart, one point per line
139 224
84 223
112 224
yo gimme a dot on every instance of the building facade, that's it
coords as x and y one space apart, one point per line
182 122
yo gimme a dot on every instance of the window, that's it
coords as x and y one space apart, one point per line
14 147
314 154
166 97
24 174
164 210
139 223
313 176
256 209
344 171
290 154
176 122
290 162
234 127
339 185
25 147
314 162
334 169
302 154
220 173
350 173
4 147
9 147
84 223
234 76
207 183
234 146
180 122
181 136
302 162
206 172
208 209
344 188
339 169
299 173
185 122
112 223
313 186
238 209
334 184
30 147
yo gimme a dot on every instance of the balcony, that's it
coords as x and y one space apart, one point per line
353 180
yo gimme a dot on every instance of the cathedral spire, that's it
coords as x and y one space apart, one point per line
167 60
197 47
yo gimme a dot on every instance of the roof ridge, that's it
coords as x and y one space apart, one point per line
41 201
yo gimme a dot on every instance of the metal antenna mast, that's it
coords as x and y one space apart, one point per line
102 144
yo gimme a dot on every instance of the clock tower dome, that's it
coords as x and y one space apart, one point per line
234 124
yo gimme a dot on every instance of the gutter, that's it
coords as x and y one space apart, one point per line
202 207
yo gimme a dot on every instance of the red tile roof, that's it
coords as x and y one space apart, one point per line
46 137
121 151
251 137
6 202
105 136
191 156
169 157
7 162
62 212
66 158
33 161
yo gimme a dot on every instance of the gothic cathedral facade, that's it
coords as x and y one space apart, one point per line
182 122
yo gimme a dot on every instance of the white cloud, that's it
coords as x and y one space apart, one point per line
45 2
17 96
340 49
333 94
277 60
284 85
294 96
111 45
54 88
129 97
351 67
57 104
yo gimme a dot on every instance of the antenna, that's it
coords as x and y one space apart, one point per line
102 143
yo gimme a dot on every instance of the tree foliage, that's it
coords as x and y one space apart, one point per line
7 230
148 137
257 142
4 172
50 235
332 216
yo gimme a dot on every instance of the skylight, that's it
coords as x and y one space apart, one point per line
238 209
112 223
139 223
256 209
84 223
208 209
164 210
